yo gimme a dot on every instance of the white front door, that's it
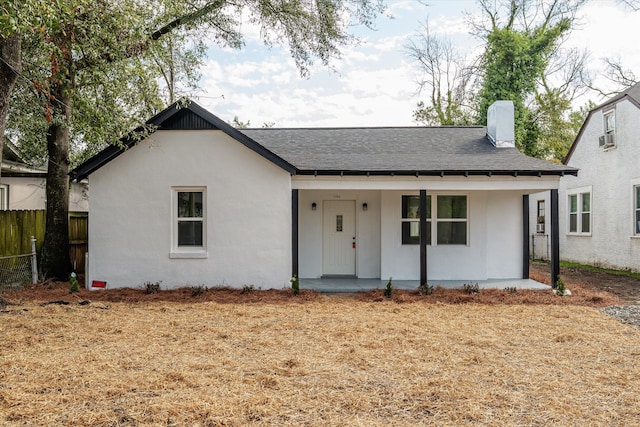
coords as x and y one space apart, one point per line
339 237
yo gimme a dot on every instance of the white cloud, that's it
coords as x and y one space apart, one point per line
374 82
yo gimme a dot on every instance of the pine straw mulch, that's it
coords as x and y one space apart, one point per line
581 294
267 358
325 362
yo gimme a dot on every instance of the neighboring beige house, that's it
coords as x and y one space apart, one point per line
599 209
214 205
22 187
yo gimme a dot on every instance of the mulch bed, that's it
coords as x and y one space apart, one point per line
59 291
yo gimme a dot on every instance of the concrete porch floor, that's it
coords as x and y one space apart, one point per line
330 285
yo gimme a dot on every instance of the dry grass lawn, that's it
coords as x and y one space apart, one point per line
325 361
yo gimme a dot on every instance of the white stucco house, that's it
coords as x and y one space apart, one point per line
198 202
23 187
599 208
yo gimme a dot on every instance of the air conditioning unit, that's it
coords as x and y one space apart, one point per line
540 228
607 140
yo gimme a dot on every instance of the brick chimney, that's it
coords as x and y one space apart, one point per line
500 124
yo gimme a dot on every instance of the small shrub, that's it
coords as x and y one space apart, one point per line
425 289
198 290
388 291
151 288
471 288
560 288
74 286
295 285
247 289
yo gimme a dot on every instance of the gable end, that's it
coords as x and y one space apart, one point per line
185 119
181 115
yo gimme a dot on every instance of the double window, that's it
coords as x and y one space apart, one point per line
189 222
580 212
450 226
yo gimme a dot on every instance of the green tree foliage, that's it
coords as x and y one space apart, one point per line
523 61
93 68
513 62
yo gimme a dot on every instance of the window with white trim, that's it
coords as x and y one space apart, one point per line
610 122
580 212
540 219
4 197
608 139
449 227
189 222
636 204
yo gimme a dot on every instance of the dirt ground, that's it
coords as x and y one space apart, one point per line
626 288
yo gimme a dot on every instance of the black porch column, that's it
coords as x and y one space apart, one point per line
555 239
525 236
423 237
294 233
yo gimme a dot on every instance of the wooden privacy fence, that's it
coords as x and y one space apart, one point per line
17 227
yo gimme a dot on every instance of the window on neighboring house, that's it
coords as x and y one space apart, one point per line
411 220
540 220
189 228
637 209
452 220
609 137
610 122
585 213
4 197
580 213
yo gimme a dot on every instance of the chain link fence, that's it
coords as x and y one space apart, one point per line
16 271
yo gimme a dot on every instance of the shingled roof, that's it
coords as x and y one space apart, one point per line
353 151
399 150
632 92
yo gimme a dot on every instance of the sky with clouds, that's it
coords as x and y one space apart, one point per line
374 83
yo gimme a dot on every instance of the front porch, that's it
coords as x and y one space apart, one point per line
365 228
335 285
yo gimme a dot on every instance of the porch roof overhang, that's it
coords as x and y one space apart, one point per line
439 173
460 182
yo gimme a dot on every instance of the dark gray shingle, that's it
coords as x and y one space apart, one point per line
400 149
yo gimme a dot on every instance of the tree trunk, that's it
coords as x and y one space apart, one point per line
55 260
10 66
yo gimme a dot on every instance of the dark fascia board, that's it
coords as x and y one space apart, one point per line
603 106
441 173
155 123
6 174
14 154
